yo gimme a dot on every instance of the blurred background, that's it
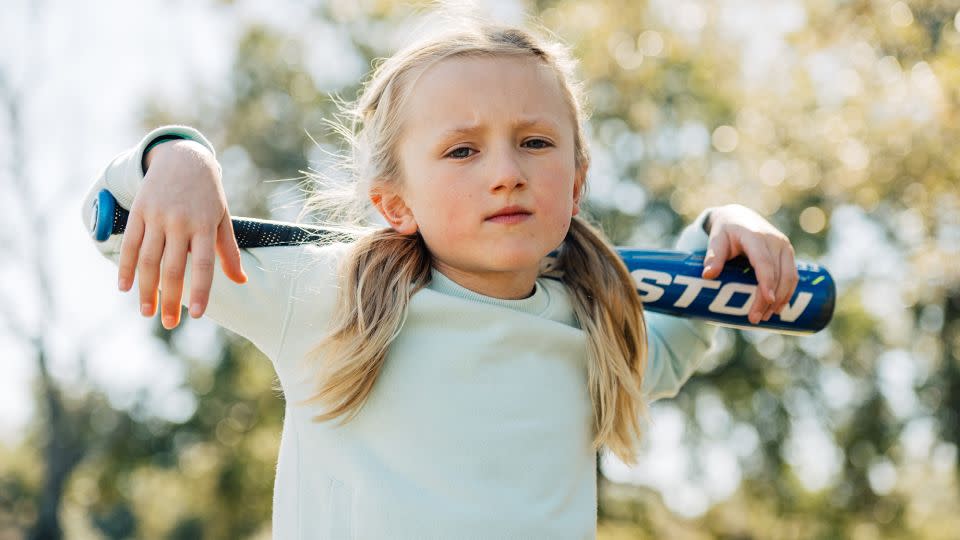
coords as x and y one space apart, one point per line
837 119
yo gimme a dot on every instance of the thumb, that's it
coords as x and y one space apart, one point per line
716 257
229 251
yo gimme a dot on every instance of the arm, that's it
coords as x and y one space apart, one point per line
257 309
676 345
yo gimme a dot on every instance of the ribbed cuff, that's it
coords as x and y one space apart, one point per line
155 142
124 175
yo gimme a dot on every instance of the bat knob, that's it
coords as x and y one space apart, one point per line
101 213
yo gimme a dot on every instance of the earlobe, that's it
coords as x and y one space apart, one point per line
394 210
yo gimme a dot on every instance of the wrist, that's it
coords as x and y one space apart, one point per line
148 152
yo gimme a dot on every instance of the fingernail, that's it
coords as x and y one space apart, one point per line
707 268
195 310
145 310
122 284
168 321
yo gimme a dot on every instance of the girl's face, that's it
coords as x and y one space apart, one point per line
481 135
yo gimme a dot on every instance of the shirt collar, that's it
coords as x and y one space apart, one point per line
534 304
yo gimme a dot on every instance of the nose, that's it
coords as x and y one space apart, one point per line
507 170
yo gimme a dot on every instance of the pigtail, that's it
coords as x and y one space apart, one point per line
608 307
378 277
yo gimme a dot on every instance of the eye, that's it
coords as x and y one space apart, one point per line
464 151
546 143
457 153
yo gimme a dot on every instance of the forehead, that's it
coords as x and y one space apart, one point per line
483 90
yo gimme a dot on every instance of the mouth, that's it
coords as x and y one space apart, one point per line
510 214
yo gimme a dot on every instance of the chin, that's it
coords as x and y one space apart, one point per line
516 259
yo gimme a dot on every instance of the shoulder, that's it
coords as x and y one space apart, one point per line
320 263
318 271
321 254
315 292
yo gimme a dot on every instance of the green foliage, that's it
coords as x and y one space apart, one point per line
858 108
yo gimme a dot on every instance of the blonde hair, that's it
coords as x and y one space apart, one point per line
384 269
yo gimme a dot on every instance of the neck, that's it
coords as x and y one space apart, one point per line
513 285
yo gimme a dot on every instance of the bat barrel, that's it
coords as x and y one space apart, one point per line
670 282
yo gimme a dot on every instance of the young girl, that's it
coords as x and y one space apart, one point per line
441 380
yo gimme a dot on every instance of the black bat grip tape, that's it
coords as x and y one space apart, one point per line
249 232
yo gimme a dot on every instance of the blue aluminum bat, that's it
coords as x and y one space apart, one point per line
668 281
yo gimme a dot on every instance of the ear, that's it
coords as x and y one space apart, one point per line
394 209
579 184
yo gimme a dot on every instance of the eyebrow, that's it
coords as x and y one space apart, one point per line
519 124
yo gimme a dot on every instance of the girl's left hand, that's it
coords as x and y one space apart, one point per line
738 230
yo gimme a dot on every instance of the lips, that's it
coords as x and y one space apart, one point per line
510 211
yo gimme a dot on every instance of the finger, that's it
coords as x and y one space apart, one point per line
129 249
789 275
148 265
174 262
717 254
229 251
201 278
765 269
784 288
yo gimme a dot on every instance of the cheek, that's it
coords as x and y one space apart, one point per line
446 214
561 189
562 215
560 199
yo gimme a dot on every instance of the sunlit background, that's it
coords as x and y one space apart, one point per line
837 120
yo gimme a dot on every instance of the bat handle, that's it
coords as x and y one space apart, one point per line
107 218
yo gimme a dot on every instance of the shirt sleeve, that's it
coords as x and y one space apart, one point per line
676 345
258 309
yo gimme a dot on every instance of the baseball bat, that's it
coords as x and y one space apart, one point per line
668 281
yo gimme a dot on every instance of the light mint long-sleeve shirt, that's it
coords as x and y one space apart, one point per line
478 426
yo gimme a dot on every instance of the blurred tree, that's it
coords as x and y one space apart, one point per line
62 437
835 119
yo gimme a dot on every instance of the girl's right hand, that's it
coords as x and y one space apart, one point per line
180 208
